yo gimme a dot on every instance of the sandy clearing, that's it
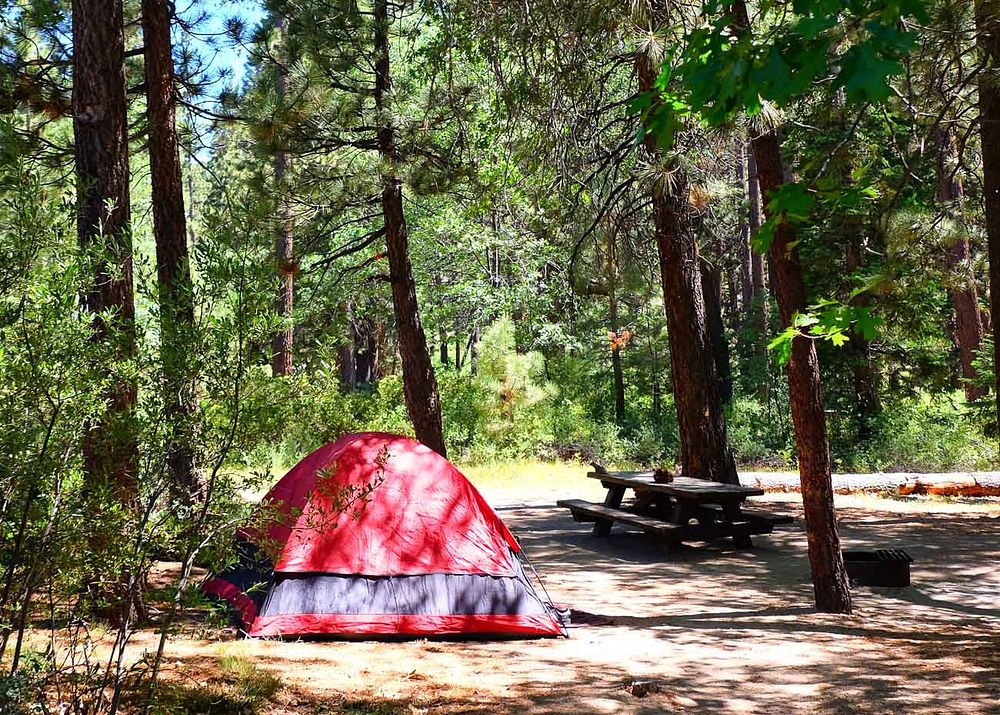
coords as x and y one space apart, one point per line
719 630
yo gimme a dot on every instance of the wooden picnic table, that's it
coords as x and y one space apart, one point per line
683 509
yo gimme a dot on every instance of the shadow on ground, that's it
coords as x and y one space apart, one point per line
706 627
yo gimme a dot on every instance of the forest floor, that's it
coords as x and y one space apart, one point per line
716 630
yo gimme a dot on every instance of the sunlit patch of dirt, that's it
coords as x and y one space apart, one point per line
711 628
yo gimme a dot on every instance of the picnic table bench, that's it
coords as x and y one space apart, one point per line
682 509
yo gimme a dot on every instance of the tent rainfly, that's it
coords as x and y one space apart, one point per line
378 535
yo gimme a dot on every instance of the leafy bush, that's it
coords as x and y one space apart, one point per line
526 405
23 692
926 433
760 434
517 405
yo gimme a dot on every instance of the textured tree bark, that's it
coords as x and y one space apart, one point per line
100 142
862 368
364 334
830 584
758 271
170 232
962 289
618 376
711 287
419 384
705 450
284 246
744 252
829 576
988 38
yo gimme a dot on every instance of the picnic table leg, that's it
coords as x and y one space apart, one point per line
683 511
734 514
616 492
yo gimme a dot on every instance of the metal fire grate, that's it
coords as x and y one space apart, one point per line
893 555
881 567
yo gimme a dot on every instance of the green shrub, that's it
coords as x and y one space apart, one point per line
926 433
529 406
23 693
759 434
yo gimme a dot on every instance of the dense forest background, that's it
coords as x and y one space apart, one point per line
454 219
530 237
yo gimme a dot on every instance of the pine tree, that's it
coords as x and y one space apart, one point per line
176 299
100 131
705 451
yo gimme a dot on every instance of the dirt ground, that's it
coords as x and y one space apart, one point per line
716 630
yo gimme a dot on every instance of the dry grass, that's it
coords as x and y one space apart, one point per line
233 686
715 630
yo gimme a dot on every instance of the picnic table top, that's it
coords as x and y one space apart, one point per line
699 489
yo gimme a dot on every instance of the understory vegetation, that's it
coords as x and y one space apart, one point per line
529 406
640 234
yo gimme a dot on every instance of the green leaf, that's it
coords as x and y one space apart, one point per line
782 345
867 324
793 200
864 75
762 240
812 27
838 339
804 320
639 103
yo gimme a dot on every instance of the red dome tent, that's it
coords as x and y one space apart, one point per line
376 534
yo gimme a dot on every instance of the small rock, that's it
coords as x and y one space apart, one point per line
642 688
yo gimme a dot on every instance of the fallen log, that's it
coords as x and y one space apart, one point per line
942 485
965 484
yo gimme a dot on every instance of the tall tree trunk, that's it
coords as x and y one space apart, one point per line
458 354
100 142
858 348
348 367
705 451
962 287
419 384
711 287
744 253
733 295
170 231
364 336
284 248
619 385
829 576
988 37
443 340
758 271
